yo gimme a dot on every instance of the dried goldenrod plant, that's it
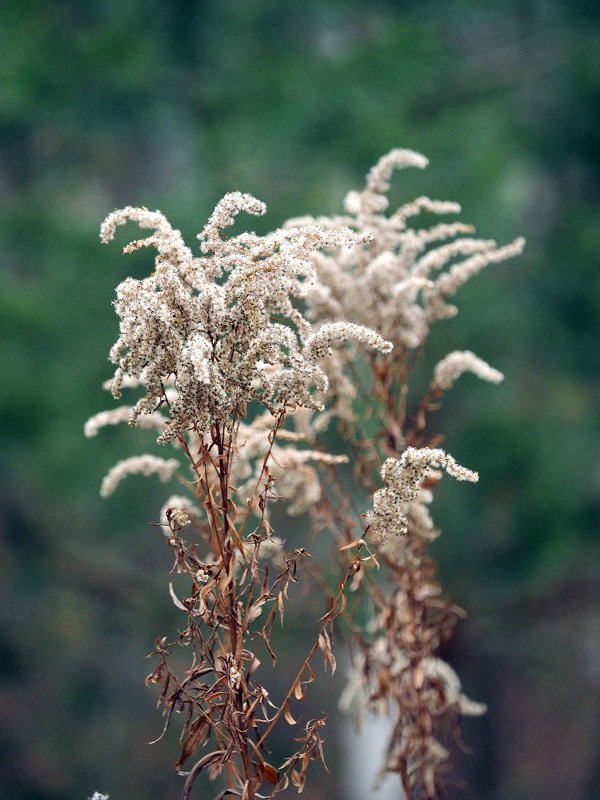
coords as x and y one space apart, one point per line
242 356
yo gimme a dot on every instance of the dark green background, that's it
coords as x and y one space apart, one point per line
105 103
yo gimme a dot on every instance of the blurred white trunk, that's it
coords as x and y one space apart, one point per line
363 753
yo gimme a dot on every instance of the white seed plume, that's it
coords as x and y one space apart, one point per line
373 199
438 671
332 332
455 364
392 505
123 414
138 465
450 282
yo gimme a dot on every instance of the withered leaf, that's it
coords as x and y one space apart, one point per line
175 599
165 726
164 692
335 610
214 770
325 646
311 674
156 675
264 635
198 732
288 716
255 609
354 543
267 772
298 780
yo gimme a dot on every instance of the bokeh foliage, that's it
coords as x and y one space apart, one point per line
171 104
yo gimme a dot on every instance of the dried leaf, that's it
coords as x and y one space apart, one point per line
335 609
325 646
311 674
215 770
254 661
176 600
298 780
156 675
357 579
266 772
288 716
354 543
165 726
197 734
255 610
264 635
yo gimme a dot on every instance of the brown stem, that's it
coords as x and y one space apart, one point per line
236 633
272 435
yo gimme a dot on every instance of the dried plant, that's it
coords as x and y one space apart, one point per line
243 356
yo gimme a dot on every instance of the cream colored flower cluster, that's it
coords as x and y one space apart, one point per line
393 282
403 495
455 364
115 416
179 511
138 465
223 326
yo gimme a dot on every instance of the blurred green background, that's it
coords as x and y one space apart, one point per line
170 104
